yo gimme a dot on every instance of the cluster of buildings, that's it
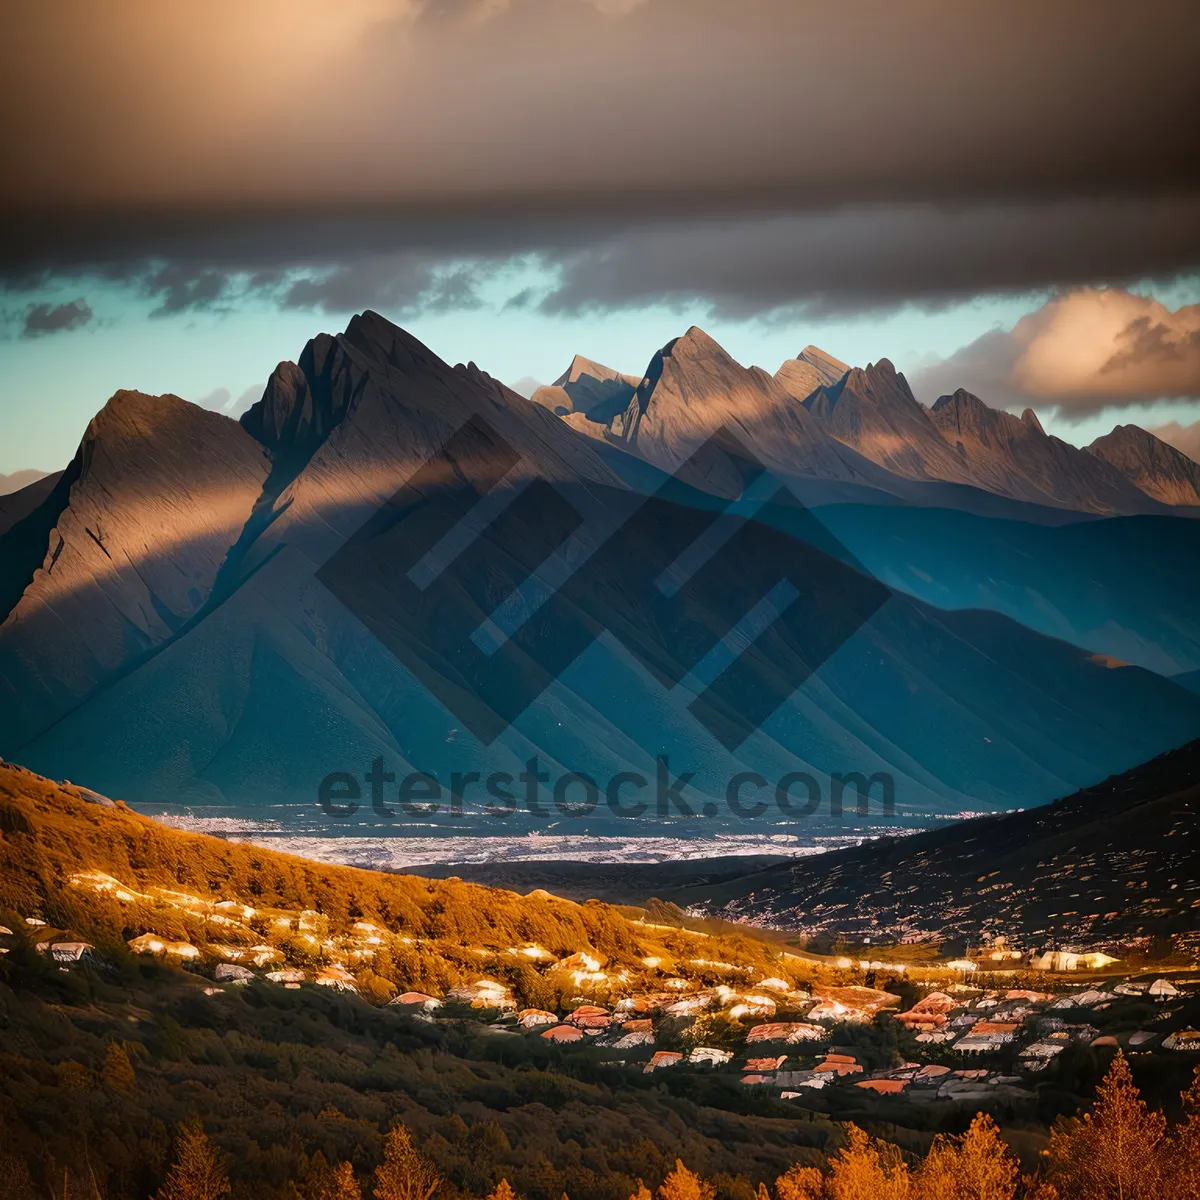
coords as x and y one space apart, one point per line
657 1014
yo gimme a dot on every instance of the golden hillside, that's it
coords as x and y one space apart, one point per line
106 875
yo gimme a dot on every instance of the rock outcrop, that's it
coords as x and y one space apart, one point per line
693 387
131 541
810 369
1158 469
1014 456
873 410
588 390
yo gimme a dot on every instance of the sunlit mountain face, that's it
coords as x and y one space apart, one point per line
397 598
571 567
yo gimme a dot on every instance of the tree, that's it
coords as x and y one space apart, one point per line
869 1170
977 1166
800 1183
345 1186
331 1183
502 1191
195 1173
1181 1152
405 1173
117 1072
1113 1152
714 1029
642 1193
682 1184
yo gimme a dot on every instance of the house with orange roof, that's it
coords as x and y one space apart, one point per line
786 1031
662 1058
534 1018
415 1000
839 1065
563 1034
590 1016
766 1064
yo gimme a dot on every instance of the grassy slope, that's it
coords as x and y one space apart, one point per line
48 832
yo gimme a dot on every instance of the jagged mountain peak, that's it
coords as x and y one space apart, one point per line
384 341
305 401
1016 457
821 360
582 367
882 366
872 409
588 388
959 398
810 369
126 405
1153 465
695 343
693 387
126 549
878 384
131 421
1129 435
963 411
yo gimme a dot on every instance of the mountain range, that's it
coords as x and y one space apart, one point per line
692 384
171 630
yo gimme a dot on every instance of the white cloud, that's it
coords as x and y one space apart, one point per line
1082 351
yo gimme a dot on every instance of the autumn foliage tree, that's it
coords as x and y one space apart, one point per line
327 1182
1181 1157
977 1166
801 1183
195 1172
868 1169
502 1191
405 1173
1115 1151
682 1184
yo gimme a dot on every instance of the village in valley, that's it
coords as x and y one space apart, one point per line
793 1024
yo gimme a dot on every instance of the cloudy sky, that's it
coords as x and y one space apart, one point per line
1002 197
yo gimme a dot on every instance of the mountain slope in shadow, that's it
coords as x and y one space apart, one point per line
275 672
1116 860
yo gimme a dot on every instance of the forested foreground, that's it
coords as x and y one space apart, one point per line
1121 1149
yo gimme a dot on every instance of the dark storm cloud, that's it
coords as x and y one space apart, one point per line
178 287
816 265
774 265
400 283
693 102
42 319
763 155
